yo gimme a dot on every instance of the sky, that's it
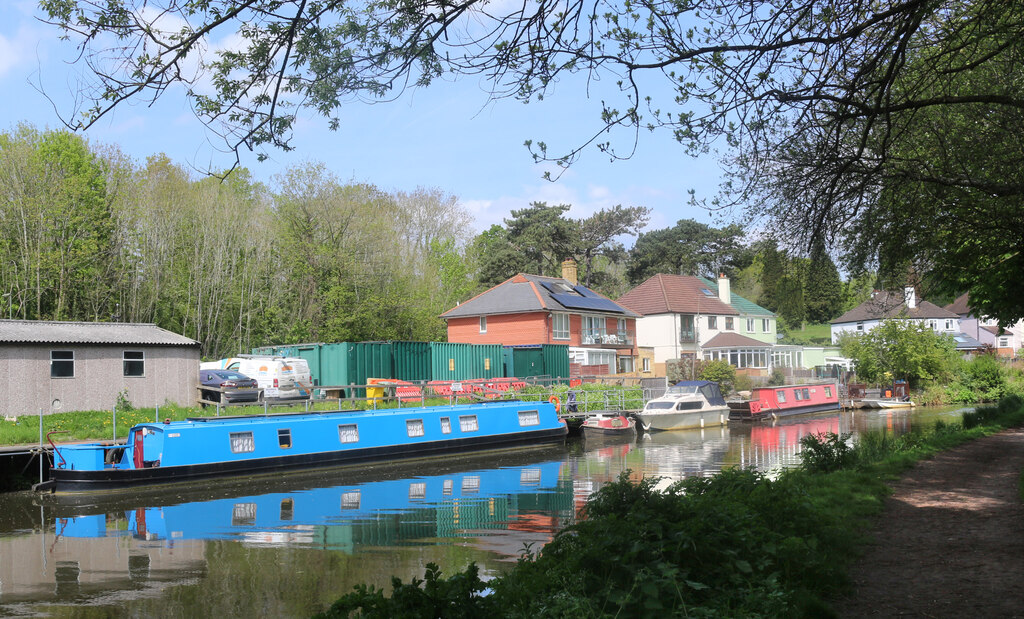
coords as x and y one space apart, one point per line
446 136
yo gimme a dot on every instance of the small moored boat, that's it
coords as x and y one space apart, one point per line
785 400
608 425
884 403
182 451
687 404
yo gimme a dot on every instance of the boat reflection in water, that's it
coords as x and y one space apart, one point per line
340 517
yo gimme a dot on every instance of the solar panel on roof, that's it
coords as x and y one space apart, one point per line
571 301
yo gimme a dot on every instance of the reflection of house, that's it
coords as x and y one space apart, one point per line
884 305
85 365
685 316
533 309
1006 342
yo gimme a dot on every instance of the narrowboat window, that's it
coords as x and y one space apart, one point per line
287 509
284 438
243 514
530 477
780 396
351 500
828 392
471 483
242 442
414 427
62 364
468 423
417 490
447 489
446 425
134 363
348 433
797 395
529 418
806 393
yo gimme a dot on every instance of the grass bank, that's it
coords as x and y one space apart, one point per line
738 544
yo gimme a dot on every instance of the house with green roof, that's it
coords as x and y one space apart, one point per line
694 317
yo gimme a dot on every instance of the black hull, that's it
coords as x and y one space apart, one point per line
745 415
65 480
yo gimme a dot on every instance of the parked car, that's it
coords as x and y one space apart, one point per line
279 378
237 386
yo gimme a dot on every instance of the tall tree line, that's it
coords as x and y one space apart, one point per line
88 234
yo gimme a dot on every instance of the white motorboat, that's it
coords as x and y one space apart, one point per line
687 404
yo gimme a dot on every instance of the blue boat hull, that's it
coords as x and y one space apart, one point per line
199 448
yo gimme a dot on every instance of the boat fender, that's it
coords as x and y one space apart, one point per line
558 404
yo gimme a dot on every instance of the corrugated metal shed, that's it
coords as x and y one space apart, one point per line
113 333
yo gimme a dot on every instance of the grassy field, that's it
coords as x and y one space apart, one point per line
819 334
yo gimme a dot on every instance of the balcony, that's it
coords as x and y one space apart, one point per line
602 338
687 337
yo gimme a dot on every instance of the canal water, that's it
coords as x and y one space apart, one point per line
289 545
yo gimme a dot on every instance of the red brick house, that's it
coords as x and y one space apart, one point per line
533 309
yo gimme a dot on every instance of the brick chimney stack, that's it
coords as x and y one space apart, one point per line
569 271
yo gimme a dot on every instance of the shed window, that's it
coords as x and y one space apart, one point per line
446 425
414 427
529 418
468 423
483 324
348 433
284 438
242 442
62 364
134 363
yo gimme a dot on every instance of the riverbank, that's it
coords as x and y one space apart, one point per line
950 541
736 544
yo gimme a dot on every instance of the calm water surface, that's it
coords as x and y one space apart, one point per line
289 545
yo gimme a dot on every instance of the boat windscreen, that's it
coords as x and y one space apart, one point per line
682 389
655 405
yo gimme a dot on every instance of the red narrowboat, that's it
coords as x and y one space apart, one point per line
786 400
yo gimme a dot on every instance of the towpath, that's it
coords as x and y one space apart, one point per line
950 542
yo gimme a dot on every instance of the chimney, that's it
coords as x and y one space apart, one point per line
569 271
910 297
724 294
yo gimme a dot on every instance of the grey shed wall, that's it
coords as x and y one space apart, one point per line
171 375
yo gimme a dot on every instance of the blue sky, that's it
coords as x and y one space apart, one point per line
446 136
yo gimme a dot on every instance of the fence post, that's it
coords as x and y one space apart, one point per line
115 423
40 450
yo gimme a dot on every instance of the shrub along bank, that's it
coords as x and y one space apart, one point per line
738 544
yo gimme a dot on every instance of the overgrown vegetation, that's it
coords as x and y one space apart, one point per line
739 544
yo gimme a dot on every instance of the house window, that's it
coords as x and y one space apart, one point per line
446 425
483 324
728 323
860 326
242 442
647 364
414 427
1004 342
560 326
625 365
284 438
766 325
949 325
686 331
468 423
529 418
780 396
134 363
750 325
62 364
348 433
594 330
621 330
713 322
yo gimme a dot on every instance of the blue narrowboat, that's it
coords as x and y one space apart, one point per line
203 447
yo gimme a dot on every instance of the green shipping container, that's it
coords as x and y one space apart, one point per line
541 360
452 362
412 360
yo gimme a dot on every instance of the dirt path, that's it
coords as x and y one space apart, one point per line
950 542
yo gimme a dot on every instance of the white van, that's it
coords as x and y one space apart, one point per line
279 378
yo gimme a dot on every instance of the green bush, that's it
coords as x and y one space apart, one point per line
826 452
720 372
